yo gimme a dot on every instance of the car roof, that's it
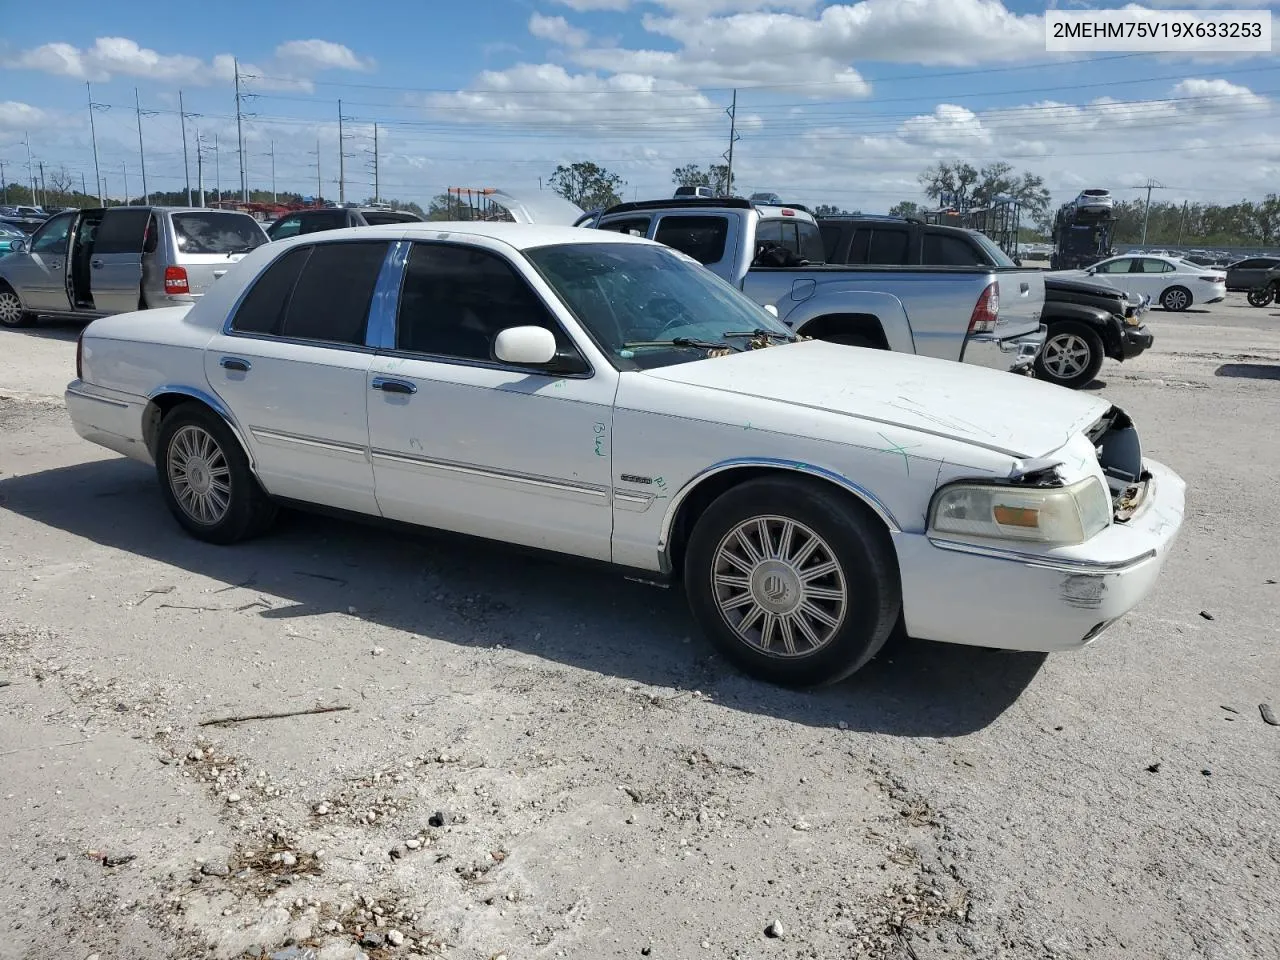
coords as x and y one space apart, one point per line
521 236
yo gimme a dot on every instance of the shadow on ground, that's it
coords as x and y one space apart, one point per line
50 329
1249 371
1095 385
476 593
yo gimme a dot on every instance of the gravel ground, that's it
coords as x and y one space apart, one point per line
537 760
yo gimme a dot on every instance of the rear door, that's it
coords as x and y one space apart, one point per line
115 275
206 243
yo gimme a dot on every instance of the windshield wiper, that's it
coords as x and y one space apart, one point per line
680 342
762 333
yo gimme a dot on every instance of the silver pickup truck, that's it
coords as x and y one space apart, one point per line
984 315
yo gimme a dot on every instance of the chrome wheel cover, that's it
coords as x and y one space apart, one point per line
1176 300
779 587
199 475
10 308
1066 355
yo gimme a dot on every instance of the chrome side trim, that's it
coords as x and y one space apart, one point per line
591 491
292 439
796 466
1063 564
89 396
631 501
380 334
214 404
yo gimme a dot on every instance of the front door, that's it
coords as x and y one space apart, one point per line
40 273
115 261
293 370
462 442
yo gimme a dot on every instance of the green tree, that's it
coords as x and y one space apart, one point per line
588 185
831 210
904 208
690 175
963 185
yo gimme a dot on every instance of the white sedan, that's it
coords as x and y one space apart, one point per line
603 396
1172 282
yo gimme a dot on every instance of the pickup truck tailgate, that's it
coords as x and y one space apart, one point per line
1021 300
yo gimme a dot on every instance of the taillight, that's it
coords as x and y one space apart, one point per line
80 356
987 310
175 280
788 213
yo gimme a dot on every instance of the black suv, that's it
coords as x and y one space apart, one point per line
336 218
1087 321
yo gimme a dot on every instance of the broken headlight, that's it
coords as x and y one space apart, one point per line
1054 516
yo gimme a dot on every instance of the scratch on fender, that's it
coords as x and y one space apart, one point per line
1083 591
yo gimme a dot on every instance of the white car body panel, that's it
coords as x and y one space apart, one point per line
598 465
1155 284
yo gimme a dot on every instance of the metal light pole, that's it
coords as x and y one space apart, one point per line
93 137
200 165
125 171
142 156
217 168
377 195
31 176
4 184
342 176
244 184
186 168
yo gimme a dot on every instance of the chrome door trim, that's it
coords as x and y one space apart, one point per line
590 492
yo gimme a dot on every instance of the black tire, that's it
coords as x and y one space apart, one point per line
851 537
1262 296
1058 360
248 513
12 313
1176 299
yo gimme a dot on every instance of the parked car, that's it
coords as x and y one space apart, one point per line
1172 282
1085 321
8 232
94 262
1095 201
336 218
977 314
1251 272
1088 322
611 399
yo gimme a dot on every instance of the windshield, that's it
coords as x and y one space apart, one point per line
217 233
998 257
634 299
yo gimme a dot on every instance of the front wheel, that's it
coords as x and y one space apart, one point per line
1071 356
1262 296
206 480
12 313
793 582
1176 299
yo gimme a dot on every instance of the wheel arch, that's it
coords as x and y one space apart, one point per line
702 489
165 398
859 324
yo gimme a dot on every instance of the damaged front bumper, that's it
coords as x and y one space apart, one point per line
1014 354
997 594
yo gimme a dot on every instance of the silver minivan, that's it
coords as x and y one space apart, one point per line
100 261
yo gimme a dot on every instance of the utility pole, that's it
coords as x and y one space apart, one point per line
217 168
1182 222
733 138
377 197
200 166
342 175
244 184
1146 213
125 171
4 184
272 152
44 194
142 156
31 176
319 187
93 137
84 187
186 166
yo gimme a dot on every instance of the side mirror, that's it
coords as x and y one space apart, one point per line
17 246
525 346
771 309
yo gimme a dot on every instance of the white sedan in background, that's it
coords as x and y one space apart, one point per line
1172 282
603 396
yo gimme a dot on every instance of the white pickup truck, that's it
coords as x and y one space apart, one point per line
985 315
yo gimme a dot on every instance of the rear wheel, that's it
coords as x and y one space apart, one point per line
206 480
12 313
793 582
1071 356
1262 296
1176 299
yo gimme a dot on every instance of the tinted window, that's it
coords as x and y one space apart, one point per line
860 246
285 227
1115 266
1154 266
328 220
52 235
122 231
770 231
811 246
263 307
702 238
888 246
151 239
379 218
216 233
331 299
947 250
830 239
454 300
636 226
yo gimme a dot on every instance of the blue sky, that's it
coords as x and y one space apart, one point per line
838 102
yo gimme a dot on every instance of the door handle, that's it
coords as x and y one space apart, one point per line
56 264
96 264
392 386
218 273
235 363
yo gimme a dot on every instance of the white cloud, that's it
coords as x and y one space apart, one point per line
109 57
20 116
557 30
321 55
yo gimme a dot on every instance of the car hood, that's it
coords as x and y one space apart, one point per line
1082 284
1003 412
